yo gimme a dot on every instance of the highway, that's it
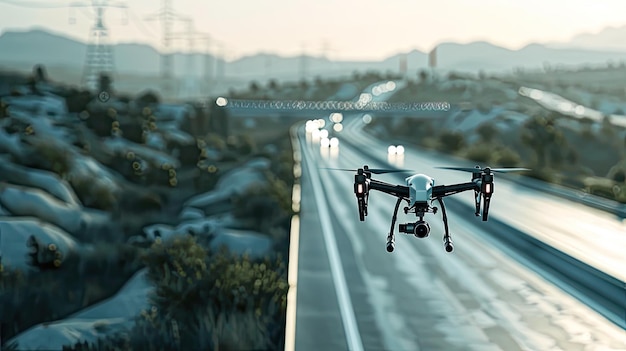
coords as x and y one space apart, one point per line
352 294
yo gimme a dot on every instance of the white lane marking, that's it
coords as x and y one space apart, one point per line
382 301
350 326
290 325
294 246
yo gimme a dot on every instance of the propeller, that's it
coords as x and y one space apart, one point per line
486 169
371 170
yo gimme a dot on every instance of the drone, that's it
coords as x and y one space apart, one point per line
420 192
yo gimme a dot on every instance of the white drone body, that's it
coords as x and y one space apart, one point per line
420 189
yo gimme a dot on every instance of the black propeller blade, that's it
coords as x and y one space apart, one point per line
371 170
475 170
506 170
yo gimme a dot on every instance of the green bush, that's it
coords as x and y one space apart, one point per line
51 157
29 298
94 194
451 141
487 131
215 141
264 205
480 152
206 300
545 175
506 157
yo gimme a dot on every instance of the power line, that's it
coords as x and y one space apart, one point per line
141 25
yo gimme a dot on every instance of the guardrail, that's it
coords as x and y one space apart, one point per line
601 291
299 108
590 200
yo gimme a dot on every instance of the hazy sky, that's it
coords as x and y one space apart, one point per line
342 29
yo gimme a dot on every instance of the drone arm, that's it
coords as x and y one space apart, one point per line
446 190
395 190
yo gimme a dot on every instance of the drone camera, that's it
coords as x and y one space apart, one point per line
407 228
420 229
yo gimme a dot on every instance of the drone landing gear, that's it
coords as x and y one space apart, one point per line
447 239
362 209
477 202
420 228
391 237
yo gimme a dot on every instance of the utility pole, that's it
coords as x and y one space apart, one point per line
167 17
207 72
220 61
268 65
326 49
208 60
189 86
303 63
99 59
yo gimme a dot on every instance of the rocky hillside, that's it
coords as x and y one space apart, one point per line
121 216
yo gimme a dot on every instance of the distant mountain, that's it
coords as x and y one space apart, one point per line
39 46
608 39
24 49
482 55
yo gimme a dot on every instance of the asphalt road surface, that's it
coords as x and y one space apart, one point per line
353 295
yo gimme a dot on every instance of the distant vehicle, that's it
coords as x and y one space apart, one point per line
419 191
332 142
395 150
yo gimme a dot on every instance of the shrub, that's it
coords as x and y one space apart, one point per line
51 157
545 175
480 152
506 157
487 131
244 144
29 298
94 194
216 142
206 301
148 98
451 141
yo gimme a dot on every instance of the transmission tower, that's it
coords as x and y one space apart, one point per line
208 57
190 86
326 50
167 17
99 59
220 60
